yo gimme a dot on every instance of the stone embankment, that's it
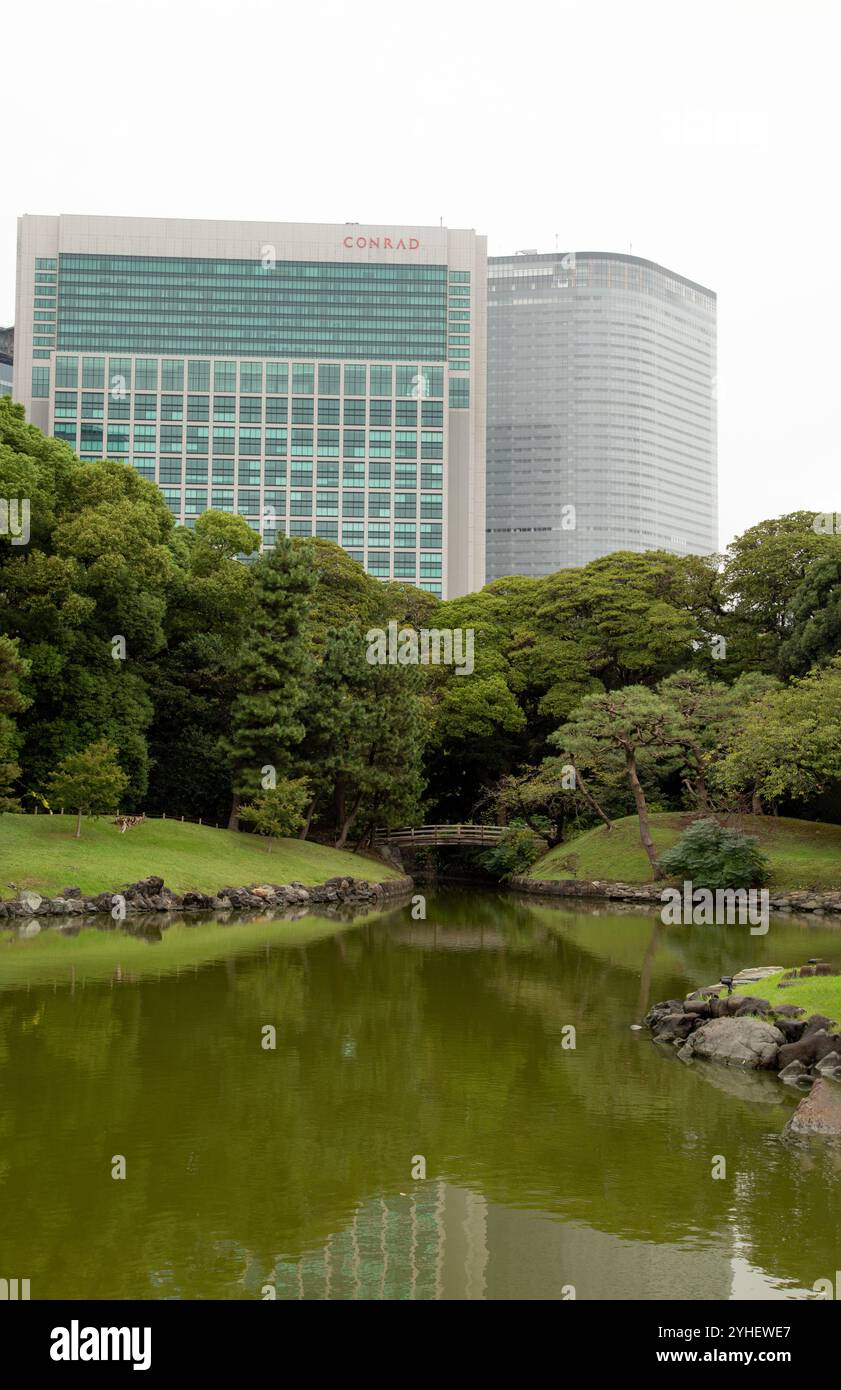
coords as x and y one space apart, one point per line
795 901
746 1031
152 895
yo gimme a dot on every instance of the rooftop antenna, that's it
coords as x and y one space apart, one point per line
556 241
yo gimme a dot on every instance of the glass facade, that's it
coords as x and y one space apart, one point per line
601 411
135 304
256 444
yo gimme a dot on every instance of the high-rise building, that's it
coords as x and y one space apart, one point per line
601 411
318 380
7 350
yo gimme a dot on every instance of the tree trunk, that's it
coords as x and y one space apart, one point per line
78 834
233 818
756 804
591 800
346 824
305 828
642 812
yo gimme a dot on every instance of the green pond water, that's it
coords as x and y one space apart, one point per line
547 1168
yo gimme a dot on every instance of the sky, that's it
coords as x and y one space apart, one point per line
703 136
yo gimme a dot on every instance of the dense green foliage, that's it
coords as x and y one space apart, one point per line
640 682
716 856
515 853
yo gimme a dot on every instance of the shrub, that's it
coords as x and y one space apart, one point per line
713 856
281 810
514 853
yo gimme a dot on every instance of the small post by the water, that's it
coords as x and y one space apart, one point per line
163 816
199 820
182 818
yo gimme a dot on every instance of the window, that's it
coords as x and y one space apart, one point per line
146 374
197 473
379 475
117 439
379 506
276 443
405 534
249 441
198 407
328 379
405 504
353 503
379 533
277 378
354 444
459 393
328 474
144 439
432 413
406 474
251 376
328 444
93 372
172 407
250 409
224 408
300 504
66 373
301 443
379 444
434 381
327 530
381 381
431 475
355 379
407 413
198 376
65 430
172 375
223 440
380 412
353 474
222 471
277 410
66 403
303 379
224 376
171 436
197 439
302 411
352 533
379 564
169 471
145 407
432 444
431 504
328 412
407 444
430 536
92 439
248 473
354 413
327 504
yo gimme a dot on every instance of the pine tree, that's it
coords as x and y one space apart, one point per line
275 667
12 670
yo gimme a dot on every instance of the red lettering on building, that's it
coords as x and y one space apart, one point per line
372 243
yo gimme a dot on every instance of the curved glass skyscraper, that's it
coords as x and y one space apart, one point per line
601 411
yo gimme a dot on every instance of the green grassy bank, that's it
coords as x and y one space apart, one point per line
819 994
39 852
803 854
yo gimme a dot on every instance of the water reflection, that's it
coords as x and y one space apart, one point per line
548 1167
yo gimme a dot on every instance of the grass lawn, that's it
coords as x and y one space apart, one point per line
819 994
39 852
803 854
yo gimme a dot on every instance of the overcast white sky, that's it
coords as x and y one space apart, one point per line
701 135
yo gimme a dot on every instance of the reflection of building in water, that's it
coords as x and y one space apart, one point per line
427 1244
443 1242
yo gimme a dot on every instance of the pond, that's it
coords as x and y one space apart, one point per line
422 1127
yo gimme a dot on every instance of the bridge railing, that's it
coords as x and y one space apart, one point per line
465 834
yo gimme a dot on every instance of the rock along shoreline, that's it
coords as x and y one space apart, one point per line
152 895
795 901
746 1031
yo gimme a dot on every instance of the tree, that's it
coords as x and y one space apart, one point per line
90 782
815 628
13 670
788 742
715 856
623 723
279 810
274 668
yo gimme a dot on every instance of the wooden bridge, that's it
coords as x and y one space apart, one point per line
420 836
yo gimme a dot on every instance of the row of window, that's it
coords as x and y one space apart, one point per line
275 443
413 382
251 409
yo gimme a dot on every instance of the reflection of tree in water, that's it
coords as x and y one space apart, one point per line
242 1160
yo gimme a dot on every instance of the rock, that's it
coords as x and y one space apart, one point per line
792 1072
674 1027
789 1010
809 1049
752 1005
819 1113
735 1042
699 1007
57 906
197 901
71 893
756 973
149 887
791 1028
830 1065
103 902
817 1023
31 901
74 905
